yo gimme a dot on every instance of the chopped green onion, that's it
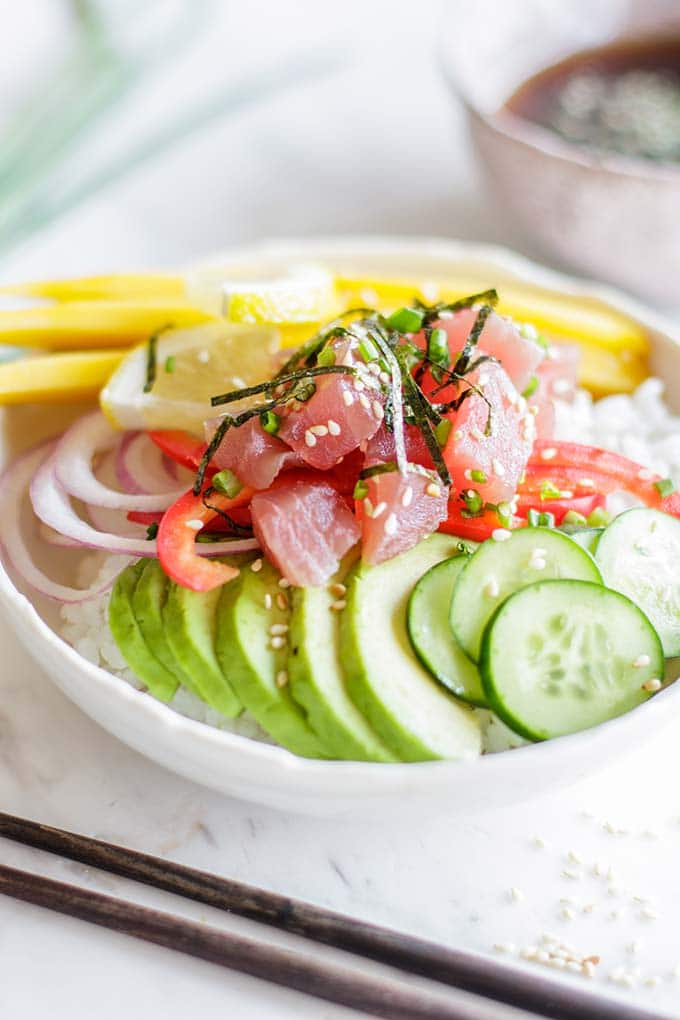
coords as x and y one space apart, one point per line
443 430
574 518
549 490
360 490
598 518
326 357
405 320
665 487
170 362
152 531
474 503
504 514
227 483
531 388
478 476
368 350
270 422
438 348
540 519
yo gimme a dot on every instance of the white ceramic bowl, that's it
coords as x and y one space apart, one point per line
269 775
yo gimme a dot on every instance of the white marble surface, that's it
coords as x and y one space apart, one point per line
375 148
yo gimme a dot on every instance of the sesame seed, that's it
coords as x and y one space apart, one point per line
284 583
648 914
574 857
347 398
653 981
534 409
368 507
515 894
561 386
536 840
491 588
385 378
430 291
281 678
542 956
586 483
310 438
282 601
319 430
567 914
373 368
608 827
432 489
337 589
194 524
570 873
458 434
537 562
642 660
204 358
407 496
267 600
277 629
549 453
379 510
501 534
278 642
652 685
529 953
256 565
359 386
498 468
364 401
502 947
588 969
378 410
391 525
333 426
338 605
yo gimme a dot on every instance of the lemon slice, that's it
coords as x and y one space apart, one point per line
191 366
306 294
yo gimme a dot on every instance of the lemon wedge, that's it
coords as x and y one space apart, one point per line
191 366
306 294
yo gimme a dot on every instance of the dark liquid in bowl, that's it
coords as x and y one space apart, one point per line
621 98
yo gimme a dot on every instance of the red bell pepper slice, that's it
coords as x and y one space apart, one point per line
476 529
181 447
176 540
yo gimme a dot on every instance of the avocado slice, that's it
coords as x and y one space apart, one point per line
411 712
148 601
317 681
190 622
162 683
246 612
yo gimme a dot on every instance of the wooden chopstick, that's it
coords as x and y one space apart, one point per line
460 969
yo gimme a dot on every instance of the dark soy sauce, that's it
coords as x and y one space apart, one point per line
622 98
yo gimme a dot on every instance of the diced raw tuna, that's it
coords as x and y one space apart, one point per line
398 511
340 414
557 379
305 528
381 448
501 456
501 339
255 456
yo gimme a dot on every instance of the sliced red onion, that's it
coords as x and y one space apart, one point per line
14 485
141 467
52 505
73 459
103 517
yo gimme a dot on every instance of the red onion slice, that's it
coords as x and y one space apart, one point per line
141 467
14 485
73 458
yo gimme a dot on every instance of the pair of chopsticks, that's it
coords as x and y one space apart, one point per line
480 983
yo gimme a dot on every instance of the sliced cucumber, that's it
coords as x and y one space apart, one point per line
639 555
431 635
497 569
586 537
411 712
562 656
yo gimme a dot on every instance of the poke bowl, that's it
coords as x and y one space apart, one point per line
401 625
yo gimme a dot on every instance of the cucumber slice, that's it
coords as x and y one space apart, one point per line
497 569
639 555
410 711
586 537
431 635
562 656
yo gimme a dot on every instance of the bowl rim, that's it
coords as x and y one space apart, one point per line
29 625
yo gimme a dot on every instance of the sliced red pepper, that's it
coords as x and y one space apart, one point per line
476 529
181 447
176 540
594 462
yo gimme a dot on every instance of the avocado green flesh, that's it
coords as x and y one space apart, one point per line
317 680
148 600
411 712
245 653
190 624
130 640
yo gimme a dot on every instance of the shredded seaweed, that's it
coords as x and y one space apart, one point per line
280 380
152 357
396 396
433 312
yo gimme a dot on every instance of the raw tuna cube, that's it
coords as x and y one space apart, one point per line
398 511
381 449
255 456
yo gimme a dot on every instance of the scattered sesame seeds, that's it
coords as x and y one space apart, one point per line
267 600
277 629
407 496
549 453
358 385
491 588
256 565
284 583
498 468
378 410
368 507
278 642
364 401
537 560
468 474
501 534
652 685
318 430
379 510
338 605
333 427
281 678
282 601
574 857
432 489
310 438
391 525
347 398
642 660
194 524
571 874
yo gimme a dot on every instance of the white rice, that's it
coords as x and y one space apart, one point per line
639 426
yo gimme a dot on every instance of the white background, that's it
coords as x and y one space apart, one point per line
376 147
